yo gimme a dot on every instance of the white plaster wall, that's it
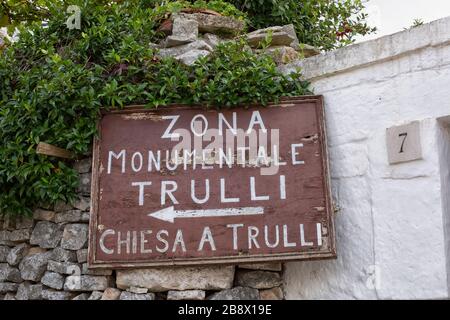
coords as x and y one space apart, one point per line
391 232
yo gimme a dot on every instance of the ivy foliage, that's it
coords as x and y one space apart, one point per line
54 82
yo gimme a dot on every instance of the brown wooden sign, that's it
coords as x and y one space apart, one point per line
185 185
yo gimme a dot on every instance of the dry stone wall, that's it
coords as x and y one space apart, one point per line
45 258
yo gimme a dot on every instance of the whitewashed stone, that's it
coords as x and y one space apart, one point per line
17 254
258 279
125 295
8 287
111 294
33 267
237 293
173 278
82 255
190 57
83 166
62 255
10 296
391 215
27 291
87 283
75 236
46 234
186 295
44 215
53 280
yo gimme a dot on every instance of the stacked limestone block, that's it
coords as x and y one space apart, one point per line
194 35
45 258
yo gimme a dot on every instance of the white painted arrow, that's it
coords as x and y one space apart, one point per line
169 214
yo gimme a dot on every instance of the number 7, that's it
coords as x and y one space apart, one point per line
404 135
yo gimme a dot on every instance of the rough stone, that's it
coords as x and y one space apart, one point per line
53 280
68 216
28 291
68 268
56 295
87 283
44 215
62 206
84 186
186 295
177 51
125 295
24 223
83 166
282 54
82 203
8 273
280 37
82 296
174 278
4 252
46 234
258 279
212 40
95 272
20 235
307 50
271 294
111 294
237 293
10 296
268 266
8 287
137 290
208 23
184 30
82 255
62 255
36 250
96 295
33 267
85 216
190 57
17 254
75 236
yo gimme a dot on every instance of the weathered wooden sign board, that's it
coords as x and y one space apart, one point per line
186 186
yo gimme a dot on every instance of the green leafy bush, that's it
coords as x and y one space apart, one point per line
54 81
326 24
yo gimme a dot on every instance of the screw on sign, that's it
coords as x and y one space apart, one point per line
187 185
